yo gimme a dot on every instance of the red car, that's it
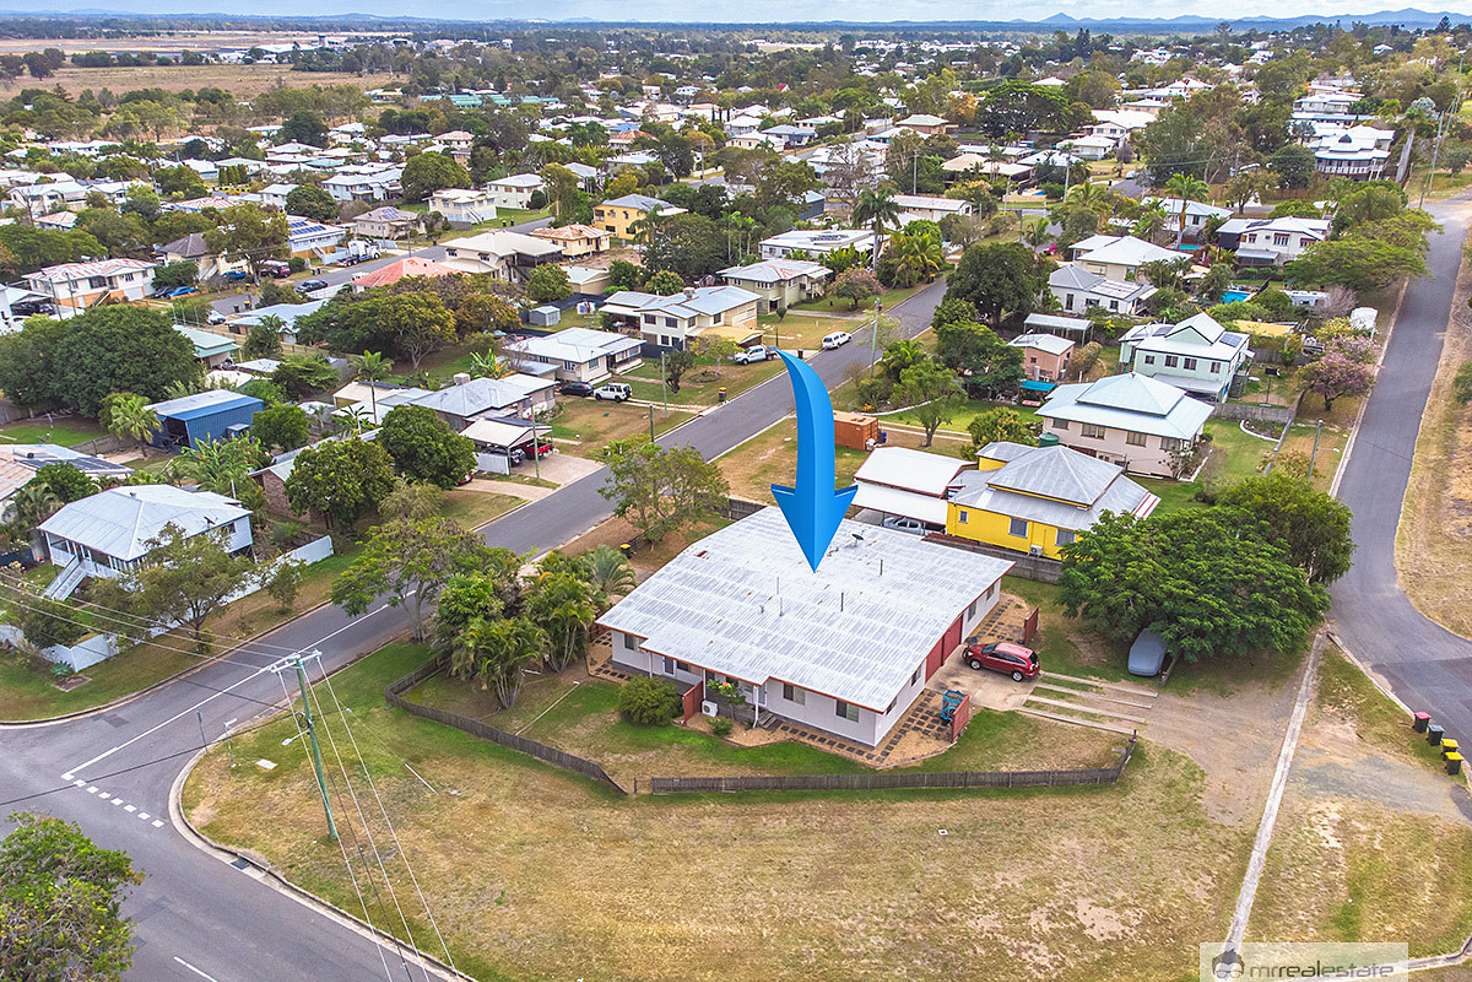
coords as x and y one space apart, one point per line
1003 656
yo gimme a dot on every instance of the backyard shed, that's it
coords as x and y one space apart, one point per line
202 417
855 431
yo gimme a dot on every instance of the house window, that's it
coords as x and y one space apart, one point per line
631 643
1060 424
1065 537
961 516
1149 359
1114 305
1189 364
971 610
915 676
1280 239
1091 431
1216 368
792 693
650 318
1135 439
716 319
1171 444
671 322
1171 361
1017 527
1068 301
669 666
846 710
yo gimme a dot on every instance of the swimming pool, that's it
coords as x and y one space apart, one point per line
1235 296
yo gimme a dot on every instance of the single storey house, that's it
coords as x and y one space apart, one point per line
577 354
929 208
472 398
1119 257
779 283
815 242
1143 424
844 651
193 248
212 350
905 483
1037 499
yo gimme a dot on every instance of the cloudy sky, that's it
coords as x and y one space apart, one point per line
751 11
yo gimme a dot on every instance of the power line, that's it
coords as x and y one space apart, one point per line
368 832
393 833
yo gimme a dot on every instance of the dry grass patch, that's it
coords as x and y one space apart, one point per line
537 874
243 81
1433 544
592 425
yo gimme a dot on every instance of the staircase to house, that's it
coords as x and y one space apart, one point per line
1118 707
70 577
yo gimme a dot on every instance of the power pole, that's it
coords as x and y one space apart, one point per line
301 680
651 422
1314 455
874 334
664 383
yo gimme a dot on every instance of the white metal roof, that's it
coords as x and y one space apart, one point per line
1051 343
897 501
479 394
743 602
121 521
1129 402
913 470
576 344
500 432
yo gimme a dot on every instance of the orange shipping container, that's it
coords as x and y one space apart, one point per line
855 430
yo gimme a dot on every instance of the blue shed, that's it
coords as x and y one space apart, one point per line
202 418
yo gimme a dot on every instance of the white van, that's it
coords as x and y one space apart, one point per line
836 340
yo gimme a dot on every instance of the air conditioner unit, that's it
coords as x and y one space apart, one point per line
708 708
1034 550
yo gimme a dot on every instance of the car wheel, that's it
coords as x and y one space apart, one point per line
974 663
1016 676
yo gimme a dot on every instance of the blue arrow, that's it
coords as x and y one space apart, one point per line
812 509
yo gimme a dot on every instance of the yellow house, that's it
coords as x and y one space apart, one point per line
617 216
1037 499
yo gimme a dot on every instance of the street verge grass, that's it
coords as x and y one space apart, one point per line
534 873
1346 866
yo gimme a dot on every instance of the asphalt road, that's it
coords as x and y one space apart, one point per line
197 917
234 303
1429 667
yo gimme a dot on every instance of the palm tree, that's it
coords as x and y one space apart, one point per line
501 650
1035 233
877 208
221 466
373 368
34 503
609 572
1151 220
917 257
1185 187
129 418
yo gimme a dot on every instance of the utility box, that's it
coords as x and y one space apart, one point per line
855 430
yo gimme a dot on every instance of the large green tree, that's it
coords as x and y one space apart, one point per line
1313 526
408 561
61 903
933 391
115 348
424 448
988 366
249 233
1208 583
999 278
663 489
427 173
340 479
285 427
312 201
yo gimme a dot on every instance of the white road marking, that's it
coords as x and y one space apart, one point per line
103 796
92 790
194 970
225 691
130 808
67 777
117 801
157 824
79 782
143 815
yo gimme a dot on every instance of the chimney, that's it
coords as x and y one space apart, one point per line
460 378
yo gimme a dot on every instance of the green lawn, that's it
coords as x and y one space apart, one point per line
969 410
1059 636
838 305
65 431
472 509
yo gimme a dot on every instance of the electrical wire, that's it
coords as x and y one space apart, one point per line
368 832
346 861
393 833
